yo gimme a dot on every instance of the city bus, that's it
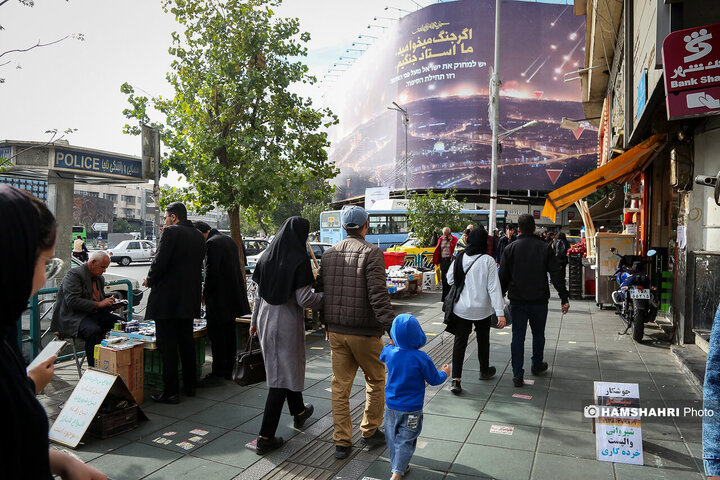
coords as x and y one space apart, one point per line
79 230
389 227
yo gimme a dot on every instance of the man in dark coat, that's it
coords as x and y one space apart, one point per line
175 277
225 299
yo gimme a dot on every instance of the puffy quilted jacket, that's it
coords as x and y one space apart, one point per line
356 302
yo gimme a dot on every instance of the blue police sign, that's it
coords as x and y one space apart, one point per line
97 163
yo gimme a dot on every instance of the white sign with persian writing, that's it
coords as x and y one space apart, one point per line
81 407
618 438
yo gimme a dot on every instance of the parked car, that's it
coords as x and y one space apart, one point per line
253 249
118 290
132 251
318 249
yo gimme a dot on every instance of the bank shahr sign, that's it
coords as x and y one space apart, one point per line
691 67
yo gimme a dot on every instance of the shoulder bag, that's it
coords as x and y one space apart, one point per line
249 365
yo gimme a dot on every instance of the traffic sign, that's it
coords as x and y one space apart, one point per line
100 227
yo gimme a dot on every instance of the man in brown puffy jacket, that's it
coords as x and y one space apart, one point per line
357 311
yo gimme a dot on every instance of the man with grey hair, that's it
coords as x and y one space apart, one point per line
443 256
82 310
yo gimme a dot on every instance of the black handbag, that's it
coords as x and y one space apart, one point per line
249 365
508 320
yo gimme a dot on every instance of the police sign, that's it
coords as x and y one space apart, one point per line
97 163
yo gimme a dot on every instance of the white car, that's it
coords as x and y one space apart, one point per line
317 247
253 249
132 251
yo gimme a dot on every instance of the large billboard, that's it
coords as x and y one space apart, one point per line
436 63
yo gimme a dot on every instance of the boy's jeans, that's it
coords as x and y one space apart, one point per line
401 432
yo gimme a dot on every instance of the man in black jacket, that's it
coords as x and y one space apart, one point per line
504 242
225 299
175 277
523 275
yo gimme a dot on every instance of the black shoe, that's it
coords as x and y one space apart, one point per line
189 392
518 381
342 452
374 440
488 374
210 381
536 370
301 418
165 398
455 387
264 446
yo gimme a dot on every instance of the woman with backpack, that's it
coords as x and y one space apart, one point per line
478 296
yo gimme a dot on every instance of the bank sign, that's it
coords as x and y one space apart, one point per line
97 163
691 67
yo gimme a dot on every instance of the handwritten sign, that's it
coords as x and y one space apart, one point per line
618 439
81 407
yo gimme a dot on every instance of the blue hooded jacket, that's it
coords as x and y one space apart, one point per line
408 367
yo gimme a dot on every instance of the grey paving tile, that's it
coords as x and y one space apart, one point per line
255 397
91 447
134 461
226 390
446 428
466 405
646 472
569 400
493 462
186 407
522 437
566 419
381 469
567 442
511 414
432 453
285 427
569 385
191 468
182 434
556 467
671 458
145 428
229 449
226 415
576 372
510 394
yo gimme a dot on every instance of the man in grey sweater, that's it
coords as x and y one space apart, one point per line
357 311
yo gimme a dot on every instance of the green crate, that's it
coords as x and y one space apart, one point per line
153 365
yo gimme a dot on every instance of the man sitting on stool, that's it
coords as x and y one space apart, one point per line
82 310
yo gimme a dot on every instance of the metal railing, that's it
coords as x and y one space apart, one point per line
35 337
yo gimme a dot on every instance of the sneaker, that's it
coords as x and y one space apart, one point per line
301 418
374 440
342 452
518 381
268 445
536 370
455 387
488 374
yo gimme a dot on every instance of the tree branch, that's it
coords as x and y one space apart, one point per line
37 45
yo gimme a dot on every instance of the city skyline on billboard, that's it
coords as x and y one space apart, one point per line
436 63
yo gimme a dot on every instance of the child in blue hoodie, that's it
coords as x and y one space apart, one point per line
408 370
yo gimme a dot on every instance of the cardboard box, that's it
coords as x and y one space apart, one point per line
127 363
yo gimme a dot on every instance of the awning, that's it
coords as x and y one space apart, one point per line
634 160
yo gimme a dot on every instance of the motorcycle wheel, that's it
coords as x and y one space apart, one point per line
638 327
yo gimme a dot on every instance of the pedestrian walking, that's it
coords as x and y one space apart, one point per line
357 311
225 298
523 275
474 274
443 256
175 279
560 249
408 370
27 246
284 278
504 241
462 242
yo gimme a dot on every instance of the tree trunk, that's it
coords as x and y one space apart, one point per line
234 214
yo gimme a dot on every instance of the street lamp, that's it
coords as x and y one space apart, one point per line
495 120
406 122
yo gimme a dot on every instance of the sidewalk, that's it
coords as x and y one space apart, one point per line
551 438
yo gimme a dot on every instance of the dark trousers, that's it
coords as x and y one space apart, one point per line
273 408
444 267
522 314
462 332
223 344
93 329
174 334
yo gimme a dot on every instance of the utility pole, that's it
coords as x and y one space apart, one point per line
406 122
495 120
156 186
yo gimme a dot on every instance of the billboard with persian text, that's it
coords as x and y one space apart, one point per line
435 62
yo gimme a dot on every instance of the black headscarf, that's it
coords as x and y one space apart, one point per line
477 241
19 237
285 266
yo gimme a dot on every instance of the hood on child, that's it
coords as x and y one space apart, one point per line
407 333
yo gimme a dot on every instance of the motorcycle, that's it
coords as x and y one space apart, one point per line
635 298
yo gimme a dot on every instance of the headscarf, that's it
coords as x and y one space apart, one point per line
285 265
19 237
477 241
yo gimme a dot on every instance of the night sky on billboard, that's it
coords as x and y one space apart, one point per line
436 63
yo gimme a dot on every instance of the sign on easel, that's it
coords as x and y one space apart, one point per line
618 432
84 402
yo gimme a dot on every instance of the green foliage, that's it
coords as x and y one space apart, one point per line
242 140
121 226
312 212
428 214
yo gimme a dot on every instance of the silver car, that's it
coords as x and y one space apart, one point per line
132 251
